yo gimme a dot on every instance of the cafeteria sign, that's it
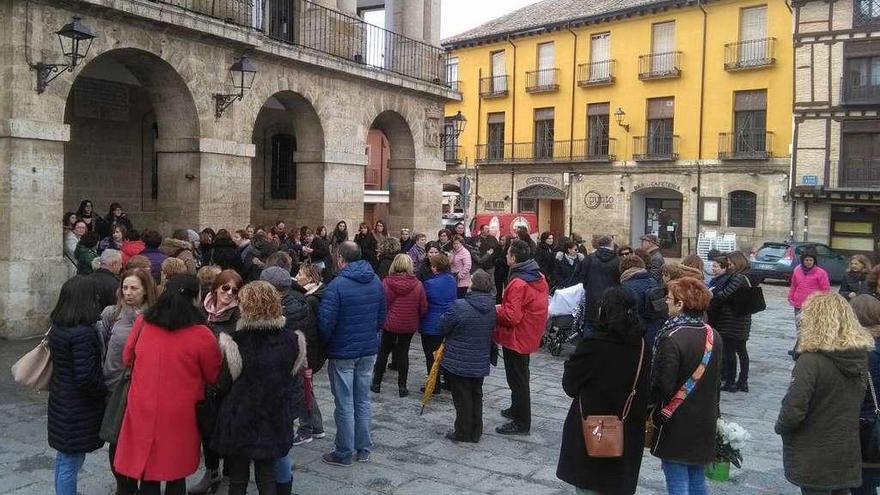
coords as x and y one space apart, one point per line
658 185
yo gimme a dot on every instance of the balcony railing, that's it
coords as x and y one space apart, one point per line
861 172
493 86
752 54
577 150
660 65
452 154
596 73
541 80
309 25
750 145
454 85
855 93
660 147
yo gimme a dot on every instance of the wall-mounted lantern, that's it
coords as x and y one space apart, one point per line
453 128
619 116
242 72
75 39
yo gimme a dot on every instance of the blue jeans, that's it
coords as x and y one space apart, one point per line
684 479
284 469
350 383
67 468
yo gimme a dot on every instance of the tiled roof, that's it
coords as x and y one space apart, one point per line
550 12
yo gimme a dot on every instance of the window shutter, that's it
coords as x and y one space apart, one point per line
544 114
661 108
663 37
745 101
598 109
496 118
600 47
753 24
499 68
546 57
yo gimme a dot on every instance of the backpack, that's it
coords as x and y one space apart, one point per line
654 307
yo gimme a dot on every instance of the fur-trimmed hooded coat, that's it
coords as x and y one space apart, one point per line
260 361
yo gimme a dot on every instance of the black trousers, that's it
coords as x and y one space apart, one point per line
240 474
734 349
396 345
467 397
430 343
176 487
124 484
516 367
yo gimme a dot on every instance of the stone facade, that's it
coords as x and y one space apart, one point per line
146 135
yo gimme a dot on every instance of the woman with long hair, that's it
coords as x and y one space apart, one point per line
76 390
855 282
728 282
819 418
380 231
85 212
311 424
173 356
115 216
114 240
388 250
68 220
545 255
340 234
423 271
608 365
367 242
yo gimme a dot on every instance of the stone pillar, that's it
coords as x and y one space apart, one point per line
432 22
343 195
32 266
347 7
414 193
406 17
224 184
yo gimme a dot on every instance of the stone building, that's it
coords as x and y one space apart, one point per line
628 117
836 173
137 121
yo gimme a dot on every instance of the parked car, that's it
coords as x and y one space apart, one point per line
777 260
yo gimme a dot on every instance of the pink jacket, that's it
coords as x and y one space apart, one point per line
804 284
460 266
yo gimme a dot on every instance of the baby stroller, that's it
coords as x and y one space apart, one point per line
561 327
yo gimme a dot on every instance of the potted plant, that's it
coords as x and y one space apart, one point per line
730 438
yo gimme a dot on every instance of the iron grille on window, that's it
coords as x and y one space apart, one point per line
866 12
660 137
598 139
283 169
496 142
743 205
544 139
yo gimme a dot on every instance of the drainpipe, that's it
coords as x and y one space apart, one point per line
806 218
702 111
573 87
512 89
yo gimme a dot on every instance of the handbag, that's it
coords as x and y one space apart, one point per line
114 413
750 299
207 411
34 369
869 430
603 435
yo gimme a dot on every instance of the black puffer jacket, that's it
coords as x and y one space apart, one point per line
76 391
731 323
224 253
300 316
108 284
601 271
854 282
384 265
546 259
568 273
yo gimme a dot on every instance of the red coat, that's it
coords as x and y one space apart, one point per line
159 440
130 249
406 301
522 315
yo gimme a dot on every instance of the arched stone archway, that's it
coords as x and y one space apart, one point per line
134 133
547 202
658 211
287 176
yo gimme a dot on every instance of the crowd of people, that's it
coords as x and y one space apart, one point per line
203 332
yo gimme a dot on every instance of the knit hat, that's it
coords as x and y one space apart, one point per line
192 236
482 282
277 276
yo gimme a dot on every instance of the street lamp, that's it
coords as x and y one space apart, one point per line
619 115
242 73
75 39
455 124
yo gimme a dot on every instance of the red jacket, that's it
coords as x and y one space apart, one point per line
131 248
406 302
522 315
159 439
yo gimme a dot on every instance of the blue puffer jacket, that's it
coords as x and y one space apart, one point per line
441 290
352 312
76 391
638 284
468 329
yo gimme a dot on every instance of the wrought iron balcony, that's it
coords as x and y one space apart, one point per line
309 25
452 154
856 93
493 86
660 66
861 172
576 150
750 145
454 86
596 73
539 81
658 147
752 54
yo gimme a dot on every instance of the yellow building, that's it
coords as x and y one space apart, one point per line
629 117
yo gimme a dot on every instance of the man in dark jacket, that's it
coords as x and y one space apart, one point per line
107 277
350 316
468 327
601 271
651 244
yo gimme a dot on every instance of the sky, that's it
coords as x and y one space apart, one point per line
458 16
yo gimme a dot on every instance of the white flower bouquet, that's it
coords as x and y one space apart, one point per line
730 438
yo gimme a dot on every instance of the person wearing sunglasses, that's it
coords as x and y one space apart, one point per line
221 309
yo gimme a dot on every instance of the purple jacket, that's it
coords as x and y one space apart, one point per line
156 258
417 254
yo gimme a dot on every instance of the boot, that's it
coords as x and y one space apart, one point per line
209 482
376 386
238 488
743 386
284 488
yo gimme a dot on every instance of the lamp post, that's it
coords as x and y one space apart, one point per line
75 39
619 116
242 72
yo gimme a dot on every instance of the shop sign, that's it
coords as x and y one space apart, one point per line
494 206
658 184
542 180
595 199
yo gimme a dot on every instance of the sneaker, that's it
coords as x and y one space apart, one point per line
302 438
209 482
511 429
317 435
505 413
333 460
363 456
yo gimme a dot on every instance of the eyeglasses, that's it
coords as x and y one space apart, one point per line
625 253
230 289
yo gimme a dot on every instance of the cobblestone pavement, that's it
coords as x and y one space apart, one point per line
412 457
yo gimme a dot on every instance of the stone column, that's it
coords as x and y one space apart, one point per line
32 266
330 188
414 193
432 22
347 7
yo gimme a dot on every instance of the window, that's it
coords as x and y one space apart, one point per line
452 72
754 45
527 205
450 147
743 205
499 72
597 129
495 149
663 47
866 11
283 168
860 157
864 72
600 57
544 132
546 64
661 123
750 122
